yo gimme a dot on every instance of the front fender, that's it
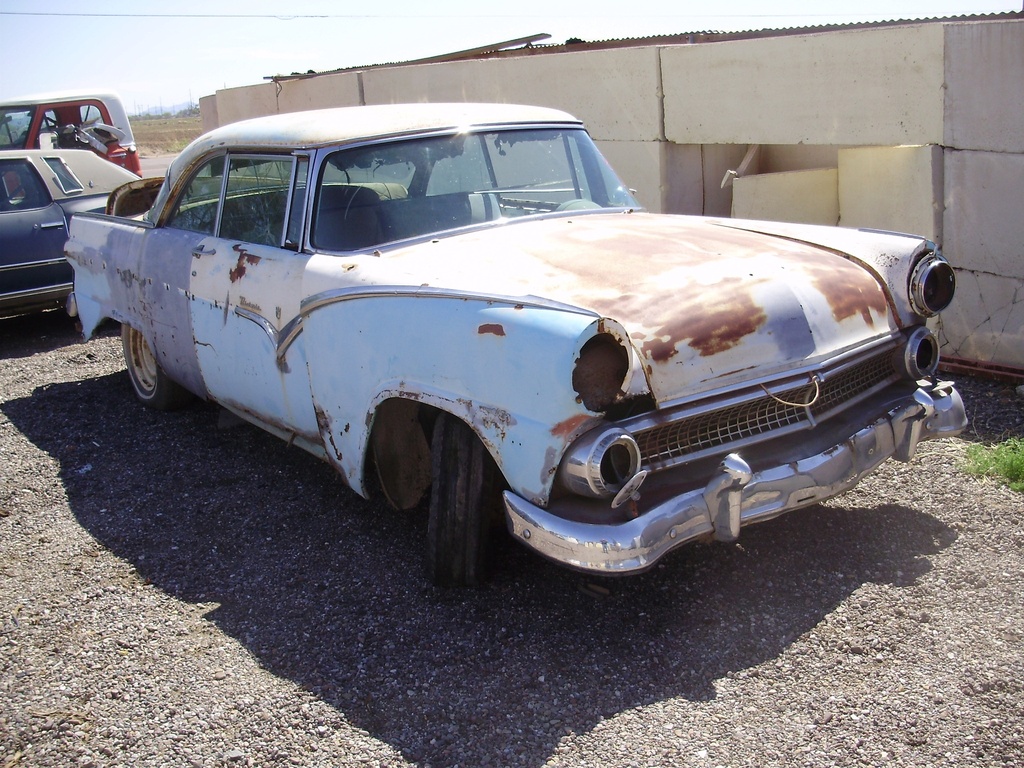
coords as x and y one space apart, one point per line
503 368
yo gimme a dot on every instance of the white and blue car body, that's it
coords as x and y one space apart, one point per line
463 306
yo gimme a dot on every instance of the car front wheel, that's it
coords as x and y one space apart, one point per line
462 498
152 386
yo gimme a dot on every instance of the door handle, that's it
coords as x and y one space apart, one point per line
200 250
51 225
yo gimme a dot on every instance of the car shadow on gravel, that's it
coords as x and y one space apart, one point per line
327 590
27 335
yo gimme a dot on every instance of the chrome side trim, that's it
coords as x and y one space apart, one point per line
261 321
428 292
31 264
737 496
284 338
291 331
55 290
272 333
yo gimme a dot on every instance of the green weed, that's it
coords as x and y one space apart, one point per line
1004 460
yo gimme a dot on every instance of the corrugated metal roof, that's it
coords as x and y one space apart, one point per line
532 45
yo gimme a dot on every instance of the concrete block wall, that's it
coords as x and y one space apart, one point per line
861 87
983 223
919 125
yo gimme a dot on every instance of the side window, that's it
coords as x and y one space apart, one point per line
196 209
90 113
21 189
256 199
297 209
14 126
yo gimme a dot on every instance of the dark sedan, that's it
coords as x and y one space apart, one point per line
39 191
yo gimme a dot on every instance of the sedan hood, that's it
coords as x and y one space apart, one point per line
704 303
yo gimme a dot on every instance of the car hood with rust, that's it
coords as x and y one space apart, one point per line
705 304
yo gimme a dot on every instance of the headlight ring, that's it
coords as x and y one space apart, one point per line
600 463
932 285
919 357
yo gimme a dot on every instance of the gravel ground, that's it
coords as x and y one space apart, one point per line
181 590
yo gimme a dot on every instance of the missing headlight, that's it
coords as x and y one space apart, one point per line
600 372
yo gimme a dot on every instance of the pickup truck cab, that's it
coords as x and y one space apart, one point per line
87 120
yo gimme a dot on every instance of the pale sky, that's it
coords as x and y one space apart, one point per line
168 53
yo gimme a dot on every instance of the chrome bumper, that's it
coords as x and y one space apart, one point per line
737 495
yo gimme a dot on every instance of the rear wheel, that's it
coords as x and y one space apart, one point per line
152 386
462 499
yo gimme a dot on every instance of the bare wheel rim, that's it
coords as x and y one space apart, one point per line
143 362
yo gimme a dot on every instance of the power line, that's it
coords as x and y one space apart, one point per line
288 17
189 15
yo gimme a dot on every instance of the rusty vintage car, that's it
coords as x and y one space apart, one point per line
463 306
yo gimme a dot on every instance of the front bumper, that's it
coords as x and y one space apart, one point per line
738 495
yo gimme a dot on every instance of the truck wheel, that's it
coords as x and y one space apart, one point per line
463 490
152 386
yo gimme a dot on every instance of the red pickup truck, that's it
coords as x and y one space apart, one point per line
81 120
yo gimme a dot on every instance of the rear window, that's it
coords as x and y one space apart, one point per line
65 178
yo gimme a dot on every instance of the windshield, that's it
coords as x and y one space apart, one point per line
397 190
14 126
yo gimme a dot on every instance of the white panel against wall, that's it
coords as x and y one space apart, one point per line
805 197
322 92
638 164
986 319
984 86
614 92
863 87
895 188
984 217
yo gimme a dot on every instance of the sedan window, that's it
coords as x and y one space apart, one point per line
196 209
21 188
256 199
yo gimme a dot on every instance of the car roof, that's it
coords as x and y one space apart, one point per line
59 96
314 128
98 176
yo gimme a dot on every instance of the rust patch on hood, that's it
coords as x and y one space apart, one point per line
713 322
244 259
848 289
494 328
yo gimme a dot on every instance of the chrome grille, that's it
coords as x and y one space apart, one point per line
689 436
850 383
